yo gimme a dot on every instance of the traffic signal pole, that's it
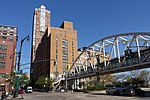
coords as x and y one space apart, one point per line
18 69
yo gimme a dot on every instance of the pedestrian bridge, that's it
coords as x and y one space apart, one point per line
113 54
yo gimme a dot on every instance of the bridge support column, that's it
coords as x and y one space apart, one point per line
76 84
82 84
98 78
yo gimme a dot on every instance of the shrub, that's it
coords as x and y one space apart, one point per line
96 87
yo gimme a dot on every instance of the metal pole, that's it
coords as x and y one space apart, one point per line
18 70
66 80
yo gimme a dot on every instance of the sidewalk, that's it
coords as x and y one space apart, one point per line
98 92
17 98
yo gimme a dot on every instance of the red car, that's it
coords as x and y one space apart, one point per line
21 91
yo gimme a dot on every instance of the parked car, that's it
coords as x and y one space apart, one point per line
124 90
21 91
133 90
114 89
29 89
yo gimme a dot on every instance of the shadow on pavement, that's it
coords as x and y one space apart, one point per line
146 94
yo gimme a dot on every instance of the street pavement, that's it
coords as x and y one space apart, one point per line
77 96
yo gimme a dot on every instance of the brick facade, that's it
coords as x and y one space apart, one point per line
8 38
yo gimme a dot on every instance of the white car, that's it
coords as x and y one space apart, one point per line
114 89
29 89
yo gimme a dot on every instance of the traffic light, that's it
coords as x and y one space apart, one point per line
68 66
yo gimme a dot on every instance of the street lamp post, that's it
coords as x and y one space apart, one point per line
18 69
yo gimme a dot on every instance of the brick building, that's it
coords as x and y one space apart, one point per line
8 38
41 20
57 45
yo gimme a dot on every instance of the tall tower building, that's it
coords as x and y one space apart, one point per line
41 20
57 45
8 38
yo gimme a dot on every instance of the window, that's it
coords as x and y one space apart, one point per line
72 46
56 56
65 47
42 20
72 49
56 45
65 52
2 88
65 58
56 39
60 32
72 54
2 75
64 64
72 60
2 55
65 44
56 42
4 33
3 47
2 64
65 34
4 36
64 41
11 37
56 50
55 63
64 70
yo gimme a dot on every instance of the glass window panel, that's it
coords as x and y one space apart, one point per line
2 64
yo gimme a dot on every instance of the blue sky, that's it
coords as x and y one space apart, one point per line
93 19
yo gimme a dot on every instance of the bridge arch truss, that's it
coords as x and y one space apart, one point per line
112 54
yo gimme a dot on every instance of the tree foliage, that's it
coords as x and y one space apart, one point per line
44 82
41 81
23 80
11 78
94 84
106 79
141 78
145 76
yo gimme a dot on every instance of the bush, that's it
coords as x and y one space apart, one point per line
97 87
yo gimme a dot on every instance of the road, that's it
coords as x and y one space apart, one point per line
78 96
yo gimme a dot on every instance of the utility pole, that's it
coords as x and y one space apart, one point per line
18 69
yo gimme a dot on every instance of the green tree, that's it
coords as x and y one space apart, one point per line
92 84
40 82
44 82
106 79
11 79
134 77
145 76
23 80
